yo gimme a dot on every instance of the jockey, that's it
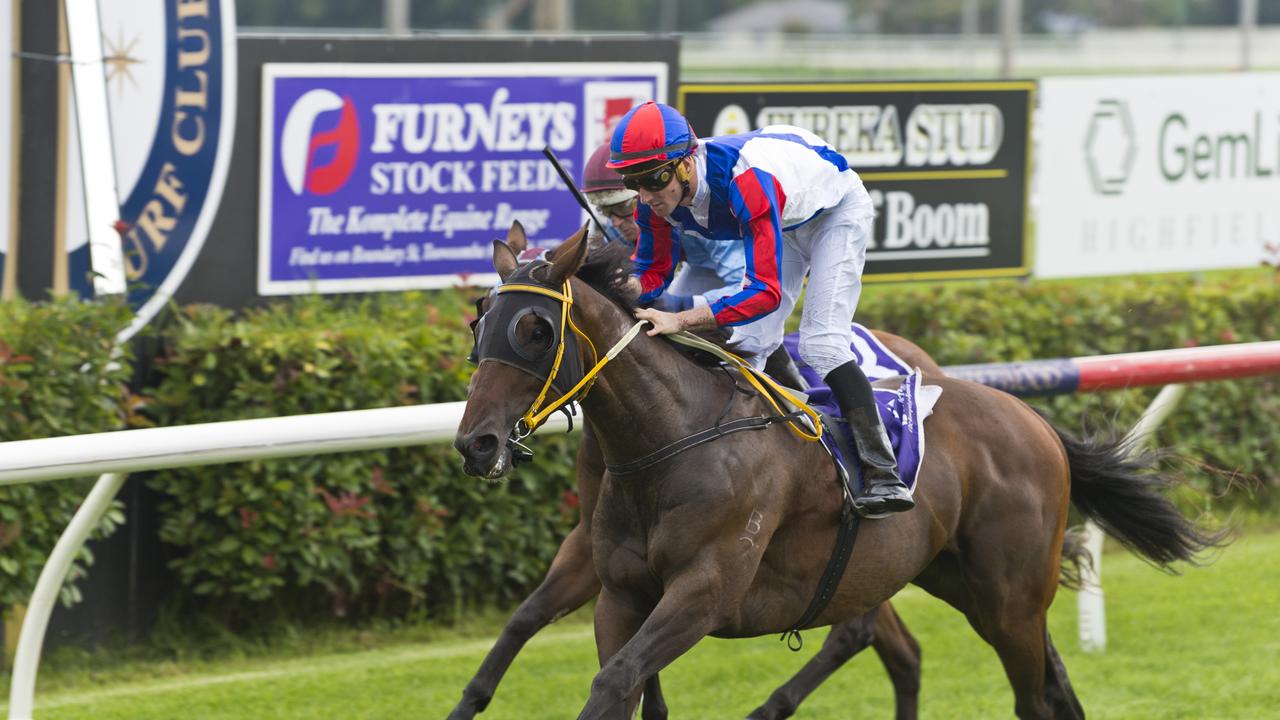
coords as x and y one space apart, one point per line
794 206
711 270
612 201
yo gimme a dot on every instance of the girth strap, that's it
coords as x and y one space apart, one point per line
845 537
666 452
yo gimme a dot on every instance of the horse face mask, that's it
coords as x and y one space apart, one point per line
524 330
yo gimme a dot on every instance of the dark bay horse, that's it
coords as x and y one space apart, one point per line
730 538
571 582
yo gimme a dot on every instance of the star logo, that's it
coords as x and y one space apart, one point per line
119 60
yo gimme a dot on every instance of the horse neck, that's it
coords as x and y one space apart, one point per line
647 396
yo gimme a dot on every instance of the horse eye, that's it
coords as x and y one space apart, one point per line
542 335
539 337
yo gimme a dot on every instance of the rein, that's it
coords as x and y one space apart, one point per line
763 384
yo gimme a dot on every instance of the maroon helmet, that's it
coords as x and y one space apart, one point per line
603 185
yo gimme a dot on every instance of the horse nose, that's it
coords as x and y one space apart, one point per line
478 450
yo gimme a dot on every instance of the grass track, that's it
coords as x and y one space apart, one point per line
1203 645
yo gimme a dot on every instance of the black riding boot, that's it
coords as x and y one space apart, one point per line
884 492
782 368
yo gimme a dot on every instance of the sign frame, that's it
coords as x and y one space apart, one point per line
272 71
1138 179
1021 269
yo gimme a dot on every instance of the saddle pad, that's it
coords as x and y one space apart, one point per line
876 360
903 411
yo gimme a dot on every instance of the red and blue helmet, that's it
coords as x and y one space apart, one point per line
648 133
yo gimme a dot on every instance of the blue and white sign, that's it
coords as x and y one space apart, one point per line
170 74
391 177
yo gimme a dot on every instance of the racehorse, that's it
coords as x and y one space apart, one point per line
730 537
571 581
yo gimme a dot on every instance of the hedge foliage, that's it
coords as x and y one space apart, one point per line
383 532
57 377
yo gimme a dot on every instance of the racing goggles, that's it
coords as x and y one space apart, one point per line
624 209
653 180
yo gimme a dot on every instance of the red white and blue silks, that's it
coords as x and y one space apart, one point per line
903 410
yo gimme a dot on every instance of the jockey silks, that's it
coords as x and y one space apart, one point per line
752 188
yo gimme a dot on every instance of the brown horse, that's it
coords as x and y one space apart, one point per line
730 538
571 582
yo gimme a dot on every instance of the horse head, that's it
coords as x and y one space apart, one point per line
526 355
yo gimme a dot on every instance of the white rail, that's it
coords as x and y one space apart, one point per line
235 441
115 453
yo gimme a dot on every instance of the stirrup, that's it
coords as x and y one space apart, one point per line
872 507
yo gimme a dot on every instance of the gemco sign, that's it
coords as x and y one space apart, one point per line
945 162
386 177
1157 174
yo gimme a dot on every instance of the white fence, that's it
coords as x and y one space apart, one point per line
126 451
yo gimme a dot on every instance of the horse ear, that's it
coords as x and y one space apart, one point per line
569 256
504 259
517 239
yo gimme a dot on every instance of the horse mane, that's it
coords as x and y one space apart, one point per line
607 269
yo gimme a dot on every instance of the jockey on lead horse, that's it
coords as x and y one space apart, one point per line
797 208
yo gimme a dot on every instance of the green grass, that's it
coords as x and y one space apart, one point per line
1202 645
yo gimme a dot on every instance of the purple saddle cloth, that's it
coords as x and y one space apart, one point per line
903 410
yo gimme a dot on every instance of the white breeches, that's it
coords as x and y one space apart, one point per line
832 250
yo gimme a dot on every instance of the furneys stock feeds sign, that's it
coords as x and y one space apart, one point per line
389 177
945 162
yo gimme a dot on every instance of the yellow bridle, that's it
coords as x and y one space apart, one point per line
536 414
535 417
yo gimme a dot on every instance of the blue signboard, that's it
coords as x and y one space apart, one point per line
390 177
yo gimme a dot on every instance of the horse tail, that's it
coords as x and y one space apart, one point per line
1076 559
1120 490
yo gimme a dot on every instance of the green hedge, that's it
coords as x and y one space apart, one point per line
1227 433
57 377
380 532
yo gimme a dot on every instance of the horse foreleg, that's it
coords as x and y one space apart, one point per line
569 584
1057 687
654 706
900 653
687 612
617 620
843 642
881 628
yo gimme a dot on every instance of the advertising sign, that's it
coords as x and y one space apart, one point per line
945 162
171 94
1157 174
390 177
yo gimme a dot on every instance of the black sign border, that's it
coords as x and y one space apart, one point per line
905 86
